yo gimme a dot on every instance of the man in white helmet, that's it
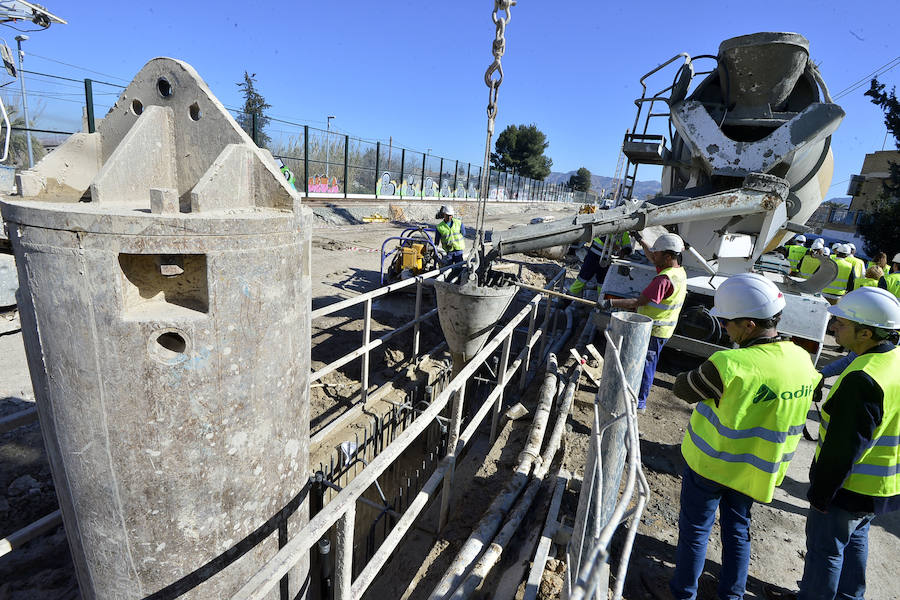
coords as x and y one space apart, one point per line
661 301
846 275
891 281
856 471
809 264
796 251
450 235
859 266
752 403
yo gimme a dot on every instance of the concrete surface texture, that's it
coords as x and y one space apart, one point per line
167 328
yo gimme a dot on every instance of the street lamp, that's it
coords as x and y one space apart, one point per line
327 143
21 55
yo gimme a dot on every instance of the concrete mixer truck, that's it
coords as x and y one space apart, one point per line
746 159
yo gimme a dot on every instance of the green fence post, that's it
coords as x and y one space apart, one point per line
253 127
468 178
346 164
89 104
441 176
422 191
377 166
456 177
402 168
306 159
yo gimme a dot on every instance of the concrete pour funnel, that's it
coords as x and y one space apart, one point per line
467 314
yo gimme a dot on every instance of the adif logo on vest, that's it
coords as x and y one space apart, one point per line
765 394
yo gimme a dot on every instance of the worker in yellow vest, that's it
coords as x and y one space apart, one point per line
809 264
661 301
856 472
872 276
751 406
859 266
796 251
450 235
596 262
890 281
845 277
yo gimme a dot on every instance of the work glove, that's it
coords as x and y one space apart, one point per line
636 236
605 304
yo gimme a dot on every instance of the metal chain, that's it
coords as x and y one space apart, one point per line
493 77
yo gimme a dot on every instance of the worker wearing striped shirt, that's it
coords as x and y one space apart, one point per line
751 408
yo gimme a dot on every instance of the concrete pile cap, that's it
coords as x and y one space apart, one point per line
167 151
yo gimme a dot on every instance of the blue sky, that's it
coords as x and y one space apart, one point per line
414 71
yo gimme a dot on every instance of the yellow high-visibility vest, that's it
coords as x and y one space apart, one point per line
877 472
838 287
665 313
747 441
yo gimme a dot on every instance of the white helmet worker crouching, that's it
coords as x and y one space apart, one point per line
747 295
668 242
869 306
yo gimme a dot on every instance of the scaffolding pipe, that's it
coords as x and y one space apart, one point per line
490 522
492 554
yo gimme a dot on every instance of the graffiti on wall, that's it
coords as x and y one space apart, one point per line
387 186
323 185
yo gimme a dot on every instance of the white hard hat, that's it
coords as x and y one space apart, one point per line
826 251
817 244
896 258
446 210
835 246
842 249
870 306
852 246
800 239
747 295
668 241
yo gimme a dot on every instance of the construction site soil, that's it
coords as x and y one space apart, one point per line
345 264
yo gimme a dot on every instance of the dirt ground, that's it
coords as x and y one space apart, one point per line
345 264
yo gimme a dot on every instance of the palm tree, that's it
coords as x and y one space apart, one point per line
18 143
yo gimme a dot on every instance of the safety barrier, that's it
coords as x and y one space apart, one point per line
341 510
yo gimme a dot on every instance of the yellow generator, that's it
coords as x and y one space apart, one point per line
414 254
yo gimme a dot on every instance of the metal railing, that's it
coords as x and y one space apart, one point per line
341 511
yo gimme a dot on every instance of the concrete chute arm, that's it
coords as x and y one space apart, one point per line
759 193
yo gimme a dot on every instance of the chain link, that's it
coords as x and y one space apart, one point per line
493 77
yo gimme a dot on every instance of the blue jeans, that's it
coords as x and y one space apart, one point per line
700 498
837 545
653 350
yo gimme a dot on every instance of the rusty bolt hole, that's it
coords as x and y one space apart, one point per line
168 347
164 87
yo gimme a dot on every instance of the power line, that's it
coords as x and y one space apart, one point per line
78 67
863 80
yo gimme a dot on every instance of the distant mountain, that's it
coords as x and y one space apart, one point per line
844 200
604 185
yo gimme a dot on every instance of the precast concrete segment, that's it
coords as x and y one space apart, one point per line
167 327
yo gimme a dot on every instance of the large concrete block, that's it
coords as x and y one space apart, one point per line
167 328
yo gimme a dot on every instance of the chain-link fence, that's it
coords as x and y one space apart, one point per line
323 162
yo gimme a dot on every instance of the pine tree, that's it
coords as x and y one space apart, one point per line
254 104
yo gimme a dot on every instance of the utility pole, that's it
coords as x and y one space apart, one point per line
19 40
